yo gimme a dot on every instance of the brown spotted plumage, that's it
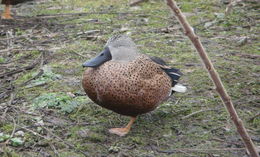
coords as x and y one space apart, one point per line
131 84
128 89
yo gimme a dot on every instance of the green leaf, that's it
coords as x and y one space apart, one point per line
4 137
61 101
2 60
17 141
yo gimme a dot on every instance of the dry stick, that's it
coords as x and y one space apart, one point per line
199 150
19 70
136 2
49 139
81 14
197 112
34 133
228 8
230 5
14 128
215 78
254 117
250 56
54 150
73 51
65 142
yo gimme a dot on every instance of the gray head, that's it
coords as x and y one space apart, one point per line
122 48
119 48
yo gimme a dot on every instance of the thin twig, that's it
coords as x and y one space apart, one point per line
38 74
136 2
145 38
228 8
251 56
230 5
29 67
57 137
4 113
197 112
65 142
34 133
12 97
254 117
221 140
33 78
200 150
14 128
73 51
54 150
184 152
82 14
15 89
215 78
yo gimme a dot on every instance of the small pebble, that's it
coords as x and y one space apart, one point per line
19 133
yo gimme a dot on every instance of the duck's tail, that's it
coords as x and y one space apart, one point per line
179 88
175 74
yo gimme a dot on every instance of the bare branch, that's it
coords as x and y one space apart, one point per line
215 78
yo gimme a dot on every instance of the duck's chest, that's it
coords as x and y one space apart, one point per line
137 86
112 79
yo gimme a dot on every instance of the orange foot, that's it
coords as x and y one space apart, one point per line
123 131
119 131
7 12
6 16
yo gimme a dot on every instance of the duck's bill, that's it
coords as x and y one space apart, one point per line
101 58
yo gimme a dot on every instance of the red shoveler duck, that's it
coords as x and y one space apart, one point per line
8 3
127 82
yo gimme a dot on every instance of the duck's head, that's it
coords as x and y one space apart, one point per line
119 48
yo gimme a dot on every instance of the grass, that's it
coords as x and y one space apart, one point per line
85 125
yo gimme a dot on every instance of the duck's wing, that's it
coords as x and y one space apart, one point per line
158 60
173 73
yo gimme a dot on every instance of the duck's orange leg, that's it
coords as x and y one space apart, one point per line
123 131
7 12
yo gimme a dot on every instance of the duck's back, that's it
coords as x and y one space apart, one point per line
129 88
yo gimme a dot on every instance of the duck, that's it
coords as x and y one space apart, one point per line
130 83
8 3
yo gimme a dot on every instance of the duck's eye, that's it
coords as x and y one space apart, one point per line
102 54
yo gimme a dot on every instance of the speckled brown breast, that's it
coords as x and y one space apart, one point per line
130 88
